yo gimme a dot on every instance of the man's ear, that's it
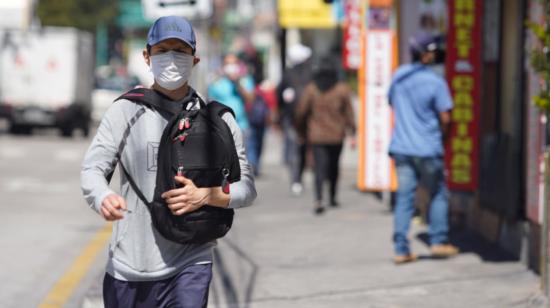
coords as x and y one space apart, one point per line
146 57
196 61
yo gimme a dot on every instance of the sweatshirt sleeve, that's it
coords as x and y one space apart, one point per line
100 159
243 192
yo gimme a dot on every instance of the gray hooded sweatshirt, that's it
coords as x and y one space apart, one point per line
137 252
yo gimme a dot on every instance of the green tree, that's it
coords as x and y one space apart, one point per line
82 14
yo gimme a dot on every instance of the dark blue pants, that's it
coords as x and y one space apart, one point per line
254 147
188 289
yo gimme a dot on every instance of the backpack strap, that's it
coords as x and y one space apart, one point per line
133 184
151 98
402 78
122 144
118 158
219 108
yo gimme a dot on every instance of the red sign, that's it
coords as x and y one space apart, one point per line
351 52
463 69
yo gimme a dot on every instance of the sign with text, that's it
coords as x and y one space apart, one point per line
190 9
305 14
351 48
376 168
463 68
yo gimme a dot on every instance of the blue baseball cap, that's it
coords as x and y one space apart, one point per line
423 42
168 27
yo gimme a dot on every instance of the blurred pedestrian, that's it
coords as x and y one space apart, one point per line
259 110
325 107
259 113
144 268
289 91
236 89
421 103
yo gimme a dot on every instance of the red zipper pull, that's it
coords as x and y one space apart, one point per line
187 123
181 124
225 182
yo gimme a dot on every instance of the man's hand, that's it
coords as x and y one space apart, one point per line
186 199
112 207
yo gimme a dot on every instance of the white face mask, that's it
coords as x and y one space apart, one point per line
171 69
231 69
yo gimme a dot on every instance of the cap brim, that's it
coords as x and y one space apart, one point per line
172 37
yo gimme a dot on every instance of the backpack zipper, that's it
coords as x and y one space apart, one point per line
225 182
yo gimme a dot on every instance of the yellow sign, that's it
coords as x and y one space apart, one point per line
305 14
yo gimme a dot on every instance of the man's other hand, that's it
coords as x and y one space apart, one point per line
112 207
186 199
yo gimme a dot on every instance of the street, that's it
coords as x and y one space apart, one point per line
278 254
45 221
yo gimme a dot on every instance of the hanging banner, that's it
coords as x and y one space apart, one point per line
351 47
463 68
378 59
305 14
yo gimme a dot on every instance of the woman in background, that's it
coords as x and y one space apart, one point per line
325 109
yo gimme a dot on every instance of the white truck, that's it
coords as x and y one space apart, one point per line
46 79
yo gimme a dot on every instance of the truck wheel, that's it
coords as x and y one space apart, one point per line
19 129
67 131
86 129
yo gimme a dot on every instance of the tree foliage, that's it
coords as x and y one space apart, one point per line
81 14
540 56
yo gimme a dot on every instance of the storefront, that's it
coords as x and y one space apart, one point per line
494 157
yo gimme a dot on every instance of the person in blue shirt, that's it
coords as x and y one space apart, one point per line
235 89
421 103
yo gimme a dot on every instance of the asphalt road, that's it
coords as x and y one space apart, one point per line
45 222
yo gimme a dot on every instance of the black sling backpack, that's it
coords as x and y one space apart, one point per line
198 144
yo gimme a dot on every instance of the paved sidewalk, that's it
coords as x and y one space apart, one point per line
279 254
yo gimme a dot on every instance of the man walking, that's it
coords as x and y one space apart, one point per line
144 269
421 103
289 91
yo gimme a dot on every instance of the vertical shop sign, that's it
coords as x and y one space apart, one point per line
377 63
463 69
351 51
